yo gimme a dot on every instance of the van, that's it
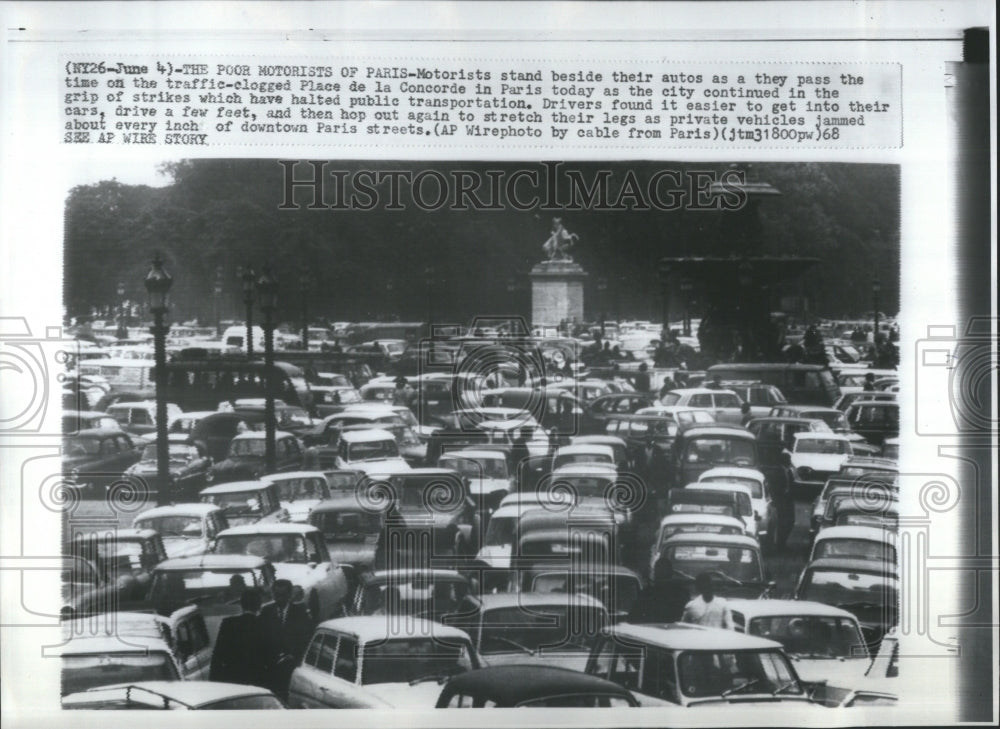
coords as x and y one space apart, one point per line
804 384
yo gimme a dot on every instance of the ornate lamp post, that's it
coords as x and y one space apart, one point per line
217 290
158 283
248 296
876 290
267 292
122 331
602 290
430 276
305 284
686 287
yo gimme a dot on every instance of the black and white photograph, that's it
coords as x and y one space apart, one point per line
427 434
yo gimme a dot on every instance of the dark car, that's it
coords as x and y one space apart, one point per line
74 421
93 460
125 559
245 460
619 403
698 448
834 418
351 531
777 434
190 470
617 587
875 421
215 432
799 383
638 431
556 409
418 592
531 686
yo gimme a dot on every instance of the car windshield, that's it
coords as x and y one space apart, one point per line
274 547
755 486
835 587
554 627
813 636
242 447
414 593
698 527
178 453
81 446
671 398
399 660
823 446
346 481
737 451
200 586
740 563
564 459
855 548
172 526
372 450
347 525
236 503
292 489
727 400
616 592
502 531
83 672
289 416
580 486
704 674
476 467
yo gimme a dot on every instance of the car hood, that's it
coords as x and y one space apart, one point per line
848 673
143 468
480 486
181 547
573 660
818 461
423 695
298 511
496 555
423 519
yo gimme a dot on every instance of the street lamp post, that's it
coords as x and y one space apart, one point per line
304 284
876 290
248 295
430 276
122 332
602 290
686 289
217 290
267 291
158 283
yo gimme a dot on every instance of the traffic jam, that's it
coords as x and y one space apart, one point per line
584 516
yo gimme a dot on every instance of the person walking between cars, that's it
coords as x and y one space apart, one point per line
706 608
641 382
519 455
870 382
745 414
286 627
781 483
403 394
242 654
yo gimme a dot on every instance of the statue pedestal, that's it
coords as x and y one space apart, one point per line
556 292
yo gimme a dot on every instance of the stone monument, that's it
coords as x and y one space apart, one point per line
557 283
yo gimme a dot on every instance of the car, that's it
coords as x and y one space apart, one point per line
134 646
618 446
883 515
578 455
703 502
860 484
577 536
185 529
734 561
832 417
699 448
74 421
620 403
800 383
775 435
299 492
124 556
852 379
816 457
94 460
432 516
487 471
350 530
859 542
532 628
139 418
743 499
886 468
693 521
869 504
215 431
724 405
849 398
365 662
761 396
890 448
213 582
683 415
173 695
874 420
333 399
411 448
760 499
869 589
245 459
189 467
372 450
298 553
642 431
522 686
433 594
246 502
617 587
597 485
681 664
825 643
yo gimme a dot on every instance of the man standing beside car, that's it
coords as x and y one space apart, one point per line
240 656
286 628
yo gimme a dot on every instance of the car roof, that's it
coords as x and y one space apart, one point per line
509 685
270 528
368 435
194 509
235 487
586 449
367 628
112 643
96 433
716 429
612 441
706 538
810 435
799 408
472 453
733 472
686 636
590 470
499 600
260 435
338 501
769 608
701 390
212 561
852 564
697 517
872 534
289 475
722 486
191 694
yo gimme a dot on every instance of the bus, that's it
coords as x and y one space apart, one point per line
202 384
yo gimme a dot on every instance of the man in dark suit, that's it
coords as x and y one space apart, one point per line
286 627
239 655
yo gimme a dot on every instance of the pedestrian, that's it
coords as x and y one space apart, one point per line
715 384
870 382
707 608
403 394
641 382
519 455
781 485
745 414
287 627
667 386
242 654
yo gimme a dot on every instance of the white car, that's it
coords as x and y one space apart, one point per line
825 643
818 456
372 450
587 453
744 498
173 695
490 479
855 542
377 662
299 554
723 404
760 501
691 522
186 529
299 492
501 536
